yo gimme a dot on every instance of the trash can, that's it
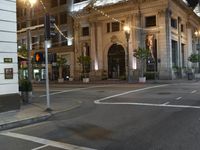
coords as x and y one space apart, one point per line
190 75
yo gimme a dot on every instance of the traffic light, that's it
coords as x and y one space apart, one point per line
49 25
38 57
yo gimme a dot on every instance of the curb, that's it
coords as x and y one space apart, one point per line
37 119
24 122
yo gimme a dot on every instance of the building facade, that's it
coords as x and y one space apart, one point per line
165 27
9 89
61 45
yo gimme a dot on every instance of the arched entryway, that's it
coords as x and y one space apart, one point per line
116 62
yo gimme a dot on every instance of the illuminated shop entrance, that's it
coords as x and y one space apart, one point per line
116 62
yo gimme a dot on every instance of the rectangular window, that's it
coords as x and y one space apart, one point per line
108 27
174 53
115 26
85 31
182 28
174 23
63 18
150 21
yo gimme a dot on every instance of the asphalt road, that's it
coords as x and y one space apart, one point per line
117 117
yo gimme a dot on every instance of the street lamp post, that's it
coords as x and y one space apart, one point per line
29 4
197 33
127 34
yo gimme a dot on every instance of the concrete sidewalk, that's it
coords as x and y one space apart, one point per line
34 112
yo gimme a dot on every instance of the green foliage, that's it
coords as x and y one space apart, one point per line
25 85
141 53
61 61
84 60
23 52
194 58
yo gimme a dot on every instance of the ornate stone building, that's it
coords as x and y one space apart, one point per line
165 27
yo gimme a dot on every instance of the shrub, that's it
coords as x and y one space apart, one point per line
25 85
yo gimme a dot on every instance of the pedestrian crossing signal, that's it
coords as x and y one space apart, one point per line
38 57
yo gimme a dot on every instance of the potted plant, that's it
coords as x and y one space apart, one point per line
85 63
61 62
25 86
194 58
141 54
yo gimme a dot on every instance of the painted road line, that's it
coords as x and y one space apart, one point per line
72 90
64 146
128 92
193 91
178 98
38 148
149 104
166 103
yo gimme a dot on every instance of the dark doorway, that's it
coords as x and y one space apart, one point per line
116 62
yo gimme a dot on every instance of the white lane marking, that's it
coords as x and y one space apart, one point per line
37 148
178 98
45 141
128 92
149 104
166 103
193 91
72 90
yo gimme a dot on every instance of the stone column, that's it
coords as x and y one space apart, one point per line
93 44
77 50
164 44
189 43
100 58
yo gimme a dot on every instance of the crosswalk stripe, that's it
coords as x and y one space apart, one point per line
45 141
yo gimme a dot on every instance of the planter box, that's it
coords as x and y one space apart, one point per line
10 102
197 75
142 79
61 80
86 80
26 96
71 79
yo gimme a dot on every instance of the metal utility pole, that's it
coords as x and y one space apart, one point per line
29 40
127 34
49 32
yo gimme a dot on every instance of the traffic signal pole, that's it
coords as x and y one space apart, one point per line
47 77
49 24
